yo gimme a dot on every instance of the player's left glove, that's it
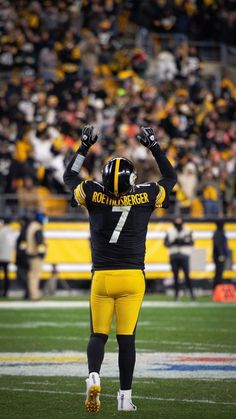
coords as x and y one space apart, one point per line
148 137
88 138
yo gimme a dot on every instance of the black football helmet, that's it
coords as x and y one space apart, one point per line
118 176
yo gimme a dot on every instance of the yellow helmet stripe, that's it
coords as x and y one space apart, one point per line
116 176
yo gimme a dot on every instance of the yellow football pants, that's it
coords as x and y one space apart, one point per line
118 292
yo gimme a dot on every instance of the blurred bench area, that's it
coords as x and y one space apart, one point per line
68 251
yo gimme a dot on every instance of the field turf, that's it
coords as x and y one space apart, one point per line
184 328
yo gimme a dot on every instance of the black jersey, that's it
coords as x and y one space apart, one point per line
118 226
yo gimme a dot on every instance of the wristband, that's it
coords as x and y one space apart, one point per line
78 163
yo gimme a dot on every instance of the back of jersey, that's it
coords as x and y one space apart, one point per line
118 226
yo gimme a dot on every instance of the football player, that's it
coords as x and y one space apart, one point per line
119 212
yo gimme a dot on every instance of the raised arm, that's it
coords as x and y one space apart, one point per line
71 173
148 138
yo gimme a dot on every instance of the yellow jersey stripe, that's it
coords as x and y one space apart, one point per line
80 195
160 197
116 176
82 190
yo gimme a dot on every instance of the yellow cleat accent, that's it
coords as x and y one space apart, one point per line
92 403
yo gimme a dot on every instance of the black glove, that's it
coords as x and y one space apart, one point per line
88 139
148 137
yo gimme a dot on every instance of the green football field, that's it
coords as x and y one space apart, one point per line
186 361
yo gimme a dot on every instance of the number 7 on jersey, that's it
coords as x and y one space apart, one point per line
124 214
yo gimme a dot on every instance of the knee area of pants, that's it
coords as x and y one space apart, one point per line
101 336
125 339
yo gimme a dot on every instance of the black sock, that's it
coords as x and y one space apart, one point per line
127 357
95 351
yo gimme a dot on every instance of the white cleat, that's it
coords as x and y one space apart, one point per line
125 401
92 402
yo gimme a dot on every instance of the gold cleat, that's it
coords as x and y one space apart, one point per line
92 402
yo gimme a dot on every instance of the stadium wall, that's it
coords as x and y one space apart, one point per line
68 247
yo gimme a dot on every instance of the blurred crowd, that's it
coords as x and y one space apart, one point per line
200 20
65 64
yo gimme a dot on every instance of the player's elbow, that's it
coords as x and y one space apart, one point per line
69 180
170 182
65 176
174 178
173 181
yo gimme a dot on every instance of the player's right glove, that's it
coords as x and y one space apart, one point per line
88 138
148 137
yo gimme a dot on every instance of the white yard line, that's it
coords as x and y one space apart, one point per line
85 304
23 390
59 324
37 324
